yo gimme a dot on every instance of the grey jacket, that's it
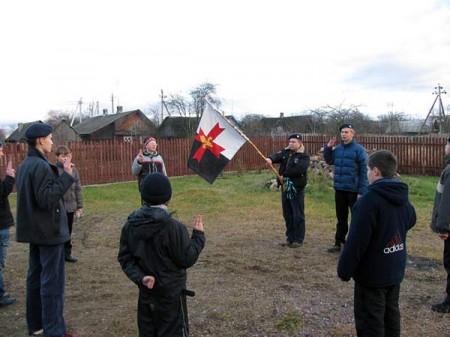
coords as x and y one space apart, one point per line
440 220
73 199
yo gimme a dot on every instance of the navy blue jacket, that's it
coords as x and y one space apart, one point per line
41 215
350 166
375 251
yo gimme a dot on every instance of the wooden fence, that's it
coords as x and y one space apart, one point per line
108 161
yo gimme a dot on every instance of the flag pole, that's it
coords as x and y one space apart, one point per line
246 138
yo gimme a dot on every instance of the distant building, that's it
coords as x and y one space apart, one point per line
408 128
62 133
120 126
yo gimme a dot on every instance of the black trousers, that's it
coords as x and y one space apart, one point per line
377 313
344 201
447 266
68 244
162 316
294 216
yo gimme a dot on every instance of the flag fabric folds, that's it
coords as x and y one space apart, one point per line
215 144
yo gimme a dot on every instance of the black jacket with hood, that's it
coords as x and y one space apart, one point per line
375 251
153 243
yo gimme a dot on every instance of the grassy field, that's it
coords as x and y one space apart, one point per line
246 284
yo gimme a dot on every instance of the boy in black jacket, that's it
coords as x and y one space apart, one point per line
155 251
375 251
294 163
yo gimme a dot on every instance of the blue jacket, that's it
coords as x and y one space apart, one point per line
350 166
375 251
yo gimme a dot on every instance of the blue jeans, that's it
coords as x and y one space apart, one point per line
4 243
45 290
294 216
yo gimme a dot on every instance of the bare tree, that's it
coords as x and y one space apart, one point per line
56 116
252 124
391 122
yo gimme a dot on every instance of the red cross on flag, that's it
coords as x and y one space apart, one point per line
215 144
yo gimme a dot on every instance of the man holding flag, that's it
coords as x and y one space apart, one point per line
294 163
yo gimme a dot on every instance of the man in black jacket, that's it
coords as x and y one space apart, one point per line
6 221
294 163
42 222
155 251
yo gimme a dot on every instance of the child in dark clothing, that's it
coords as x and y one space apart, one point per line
155 251
375 252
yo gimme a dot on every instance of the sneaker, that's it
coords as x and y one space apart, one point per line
335 249
7 299
443 307
295 245
287 243
71 259
36 333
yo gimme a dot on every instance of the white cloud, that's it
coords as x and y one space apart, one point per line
265 58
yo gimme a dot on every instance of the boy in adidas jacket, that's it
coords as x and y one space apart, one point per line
375 252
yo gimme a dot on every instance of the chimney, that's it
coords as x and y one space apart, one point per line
281 114
119 109
105 112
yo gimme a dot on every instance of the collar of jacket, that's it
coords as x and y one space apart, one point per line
34 152
301 149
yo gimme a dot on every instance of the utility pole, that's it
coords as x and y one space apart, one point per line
438 91
112 103
79 106
163 105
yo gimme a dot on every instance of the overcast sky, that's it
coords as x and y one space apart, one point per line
265 57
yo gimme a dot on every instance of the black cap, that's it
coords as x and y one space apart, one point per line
296 136
346 126
156 189
38 130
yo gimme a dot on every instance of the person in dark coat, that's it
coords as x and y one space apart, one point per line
42 223
6 221
440 224
375 252
350 178
155 251
294 163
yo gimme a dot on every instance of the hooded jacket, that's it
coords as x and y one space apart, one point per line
41 215
375 251
153 243
350 166
440 220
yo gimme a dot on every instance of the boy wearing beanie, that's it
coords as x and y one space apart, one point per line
155 251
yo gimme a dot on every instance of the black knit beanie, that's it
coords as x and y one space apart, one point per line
156 189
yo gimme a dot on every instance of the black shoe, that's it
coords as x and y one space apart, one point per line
71 259
7 299
296 245
335 249
443 307
287 243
